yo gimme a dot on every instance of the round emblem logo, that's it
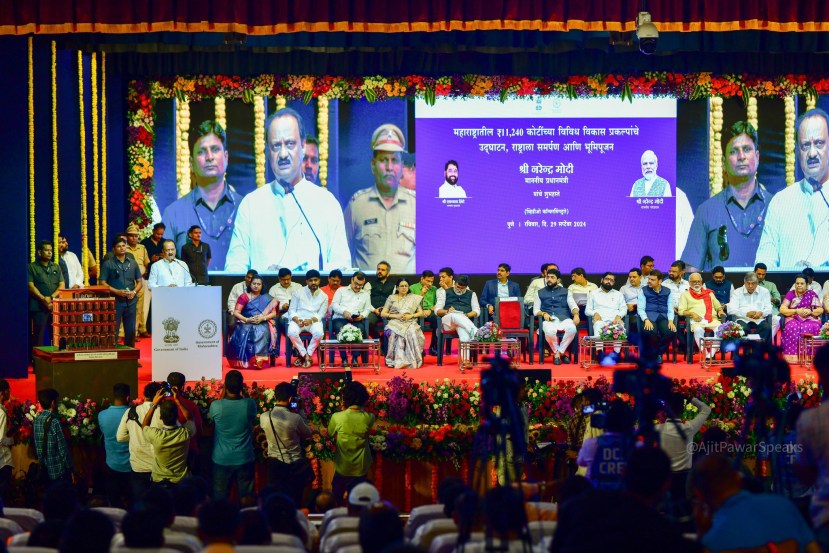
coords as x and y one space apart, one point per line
207 329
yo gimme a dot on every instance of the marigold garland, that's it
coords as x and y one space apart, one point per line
259 139
96 184
500 87
788 140
811 101
84 214
55 180
751 113
31 106
221 112
715 155
104 154
322 136
183 159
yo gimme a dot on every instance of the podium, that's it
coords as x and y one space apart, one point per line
187 332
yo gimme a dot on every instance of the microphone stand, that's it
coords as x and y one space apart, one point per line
289 189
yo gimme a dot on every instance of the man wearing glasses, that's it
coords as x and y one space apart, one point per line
457 307
727 227
211 204
290 222
796 233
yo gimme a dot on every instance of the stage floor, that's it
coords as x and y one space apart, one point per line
429 372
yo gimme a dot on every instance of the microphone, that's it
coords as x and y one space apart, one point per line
310 226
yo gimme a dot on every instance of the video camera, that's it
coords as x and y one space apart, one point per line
597 412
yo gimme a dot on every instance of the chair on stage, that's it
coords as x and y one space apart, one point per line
509 316
673 345
444 335
305 336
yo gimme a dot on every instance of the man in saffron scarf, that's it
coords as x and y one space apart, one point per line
701 307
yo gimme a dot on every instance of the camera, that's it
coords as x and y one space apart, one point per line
168 391
647 33
597 413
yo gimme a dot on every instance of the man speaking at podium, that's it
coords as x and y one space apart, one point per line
169 271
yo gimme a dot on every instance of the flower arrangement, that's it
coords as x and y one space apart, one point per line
80 418
613 331
730 330
350 334
824 332
490 332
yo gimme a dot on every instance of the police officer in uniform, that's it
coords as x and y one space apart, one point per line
380 220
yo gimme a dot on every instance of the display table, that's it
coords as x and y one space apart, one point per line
590 346
807 345
367 351
89 374
471 354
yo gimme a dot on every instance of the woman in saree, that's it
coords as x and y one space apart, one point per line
802 309
254 337
405 338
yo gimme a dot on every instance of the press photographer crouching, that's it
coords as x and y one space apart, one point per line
289 471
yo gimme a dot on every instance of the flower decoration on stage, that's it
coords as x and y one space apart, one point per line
824 332
79 418
490 332
350 334
730 330
613 331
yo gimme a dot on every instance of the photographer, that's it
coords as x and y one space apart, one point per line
580 427
606 456
288 468
672 441
232 416
171 441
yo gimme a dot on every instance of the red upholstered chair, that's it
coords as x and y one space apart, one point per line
509 316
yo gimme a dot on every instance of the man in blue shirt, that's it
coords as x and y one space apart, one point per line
212 203
50 444
117 453
721 287
727 227
499 287
123 276
233 457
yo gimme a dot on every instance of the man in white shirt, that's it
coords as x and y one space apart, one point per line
169 271
141 452
631 289
751 304
351 304
606 305
580 287
537 284
289 222
283 291
450 187
72 263
797 221
457 306
675 283
308 307
671 441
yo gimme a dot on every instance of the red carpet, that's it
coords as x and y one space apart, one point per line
429 372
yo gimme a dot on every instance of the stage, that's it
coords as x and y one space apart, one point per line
429 372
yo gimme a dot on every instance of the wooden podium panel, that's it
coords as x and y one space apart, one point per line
89 374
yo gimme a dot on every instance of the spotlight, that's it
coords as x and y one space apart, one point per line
647 33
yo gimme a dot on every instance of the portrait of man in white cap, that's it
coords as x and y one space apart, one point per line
380 219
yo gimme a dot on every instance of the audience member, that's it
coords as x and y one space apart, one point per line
50 443
117 453
171 441
46 534
140 452
729 517
88 531
177 380
253 528
350 428
6 440
233 415
218 526
143 528
281 514
380 528
606 456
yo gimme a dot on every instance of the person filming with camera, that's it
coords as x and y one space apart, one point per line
170 442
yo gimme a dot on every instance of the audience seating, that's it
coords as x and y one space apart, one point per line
330 515
427 532
115 514
352 549
446 543
26 518
8 528
26 549
116 550
267 549
181 543
333 544
187 525
421 515
288 540
19 540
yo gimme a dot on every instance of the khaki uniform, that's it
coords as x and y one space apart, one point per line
143 260
379 233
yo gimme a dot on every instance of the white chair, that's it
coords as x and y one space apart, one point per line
26 518
446 543
542 529
25 549
8 528
512 546
333 544
352 549
310 529
288 540
127 550
182 543
341 524
186 525
267 549
330 515
421 515
115 514
20 540
427 532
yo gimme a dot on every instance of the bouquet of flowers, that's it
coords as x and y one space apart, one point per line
613 331
730 330
350 334
81 419
490 332
824 332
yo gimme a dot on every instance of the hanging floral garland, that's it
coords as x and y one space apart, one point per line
84 214
96 183
221 112
751 113
788 140
498 87
322 124
31 107
104 154
55 189
183 137
715 151
259 139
